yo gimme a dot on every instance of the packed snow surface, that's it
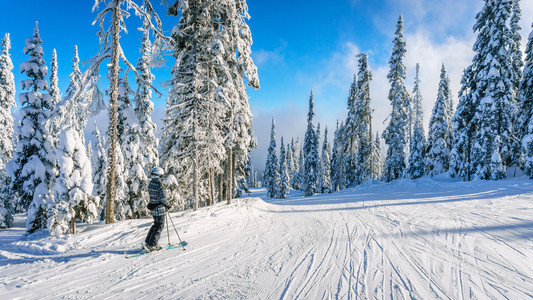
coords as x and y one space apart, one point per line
421 239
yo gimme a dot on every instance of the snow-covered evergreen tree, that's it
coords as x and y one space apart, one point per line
294 168
417 151
337 159
319 160
271 174
516 52
54 92
74 187
309 185
7 105
129 139
486 106
376 159
144 105
284 182
397 132
525 120
350 137
438 149
32 167
364 121
99 164
325 162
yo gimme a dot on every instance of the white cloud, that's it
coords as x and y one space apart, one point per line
276 56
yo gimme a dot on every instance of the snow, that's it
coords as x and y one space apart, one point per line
422 239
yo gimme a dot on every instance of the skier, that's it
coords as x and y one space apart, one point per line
158 207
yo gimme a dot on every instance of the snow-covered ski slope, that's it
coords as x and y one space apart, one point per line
421 239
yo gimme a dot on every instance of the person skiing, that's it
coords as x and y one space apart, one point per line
158 207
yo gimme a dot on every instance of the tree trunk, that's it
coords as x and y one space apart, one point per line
230 176
73 225
113 114
220 188
211 186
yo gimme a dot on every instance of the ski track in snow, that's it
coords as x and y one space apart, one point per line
421 239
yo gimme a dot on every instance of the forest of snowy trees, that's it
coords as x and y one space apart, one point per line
49 171
489 132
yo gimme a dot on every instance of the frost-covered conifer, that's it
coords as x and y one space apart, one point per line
74 186
526 117
376 159
337 159
485 110
350 137
54 92
319 159
271 174
7 104
32 167
364 120
417 151
284 182
294 169
397 132
310 176
144 105
129 139
438 149
99 163
325 162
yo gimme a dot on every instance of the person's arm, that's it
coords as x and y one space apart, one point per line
162 197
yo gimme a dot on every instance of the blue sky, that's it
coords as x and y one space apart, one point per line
298 46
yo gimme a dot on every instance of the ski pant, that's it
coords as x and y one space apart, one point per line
155 231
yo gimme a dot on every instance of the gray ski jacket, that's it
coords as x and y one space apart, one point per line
158 205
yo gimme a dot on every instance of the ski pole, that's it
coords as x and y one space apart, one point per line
168 234
176 232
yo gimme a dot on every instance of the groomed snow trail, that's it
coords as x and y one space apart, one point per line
421 239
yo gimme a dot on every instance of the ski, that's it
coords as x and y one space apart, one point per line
165 248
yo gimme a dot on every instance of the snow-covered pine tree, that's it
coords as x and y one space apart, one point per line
397 132
129 139
438 149
294 168
417 153
54 92
32 169
485 108
144 105
337 159
319 161
271 174
310 176
525 120
284 182
350 137
494 87
364 121
516 52
301 163
7 105
74 186
376 159
325 162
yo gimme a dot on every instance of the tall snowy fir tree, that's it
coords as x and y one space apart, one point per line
515 51
485 110
144 105
337 159
364 121
271 174
397 132
99 164
284 181
294 168
309 185
417 152
319 160
526 103
7 105
213 39
325 163
74 186
438 149
350 137
376 159
32 169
